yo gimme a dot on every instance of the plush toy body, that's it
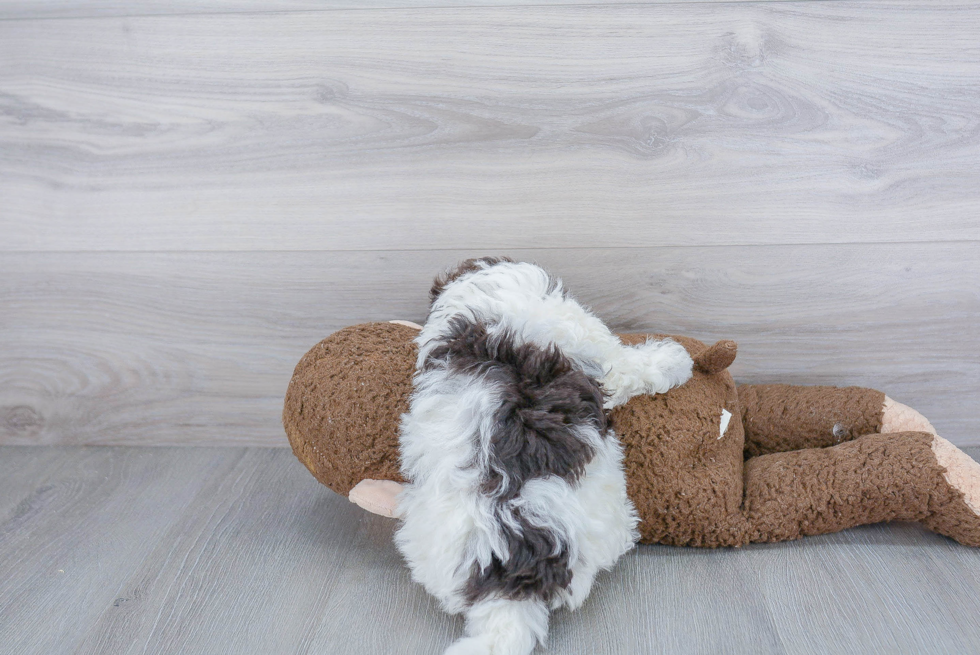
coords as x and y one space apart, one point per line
709 463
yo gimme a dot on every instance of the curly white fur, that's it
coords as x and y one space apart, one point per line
524 299
450 524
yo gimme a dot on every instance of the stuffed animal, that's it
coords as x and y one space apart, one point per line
710 463
537 442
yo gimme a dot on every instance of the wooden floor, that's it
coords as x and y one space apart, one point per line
239 550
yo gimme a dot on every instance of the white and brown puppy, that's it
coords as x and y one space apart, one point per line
516 494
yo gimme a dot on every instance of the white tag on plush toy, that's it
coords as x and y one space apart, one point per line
726 416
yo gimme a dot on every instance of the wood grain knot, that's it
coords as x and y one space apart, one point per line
21 420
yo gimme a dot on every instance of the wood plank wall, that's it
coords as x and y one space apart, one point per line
192 197
101 8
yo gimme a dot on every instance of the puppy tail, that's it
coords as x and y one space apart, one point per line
503 627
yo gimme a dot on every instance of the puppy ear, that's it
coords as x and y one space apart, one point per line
445 279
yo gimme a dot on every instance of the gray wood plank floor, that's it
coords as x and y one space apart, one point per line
233 550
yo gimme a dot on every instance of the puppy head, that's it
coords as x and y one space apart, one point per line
470 265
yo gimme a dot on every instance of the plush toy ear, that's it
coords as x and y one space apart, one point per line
716 358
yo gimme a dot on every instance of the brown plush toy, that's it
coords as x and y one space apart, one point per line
708 463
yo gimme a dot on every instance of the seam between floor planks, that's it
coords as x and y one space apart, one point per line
532 248
100 342
97 8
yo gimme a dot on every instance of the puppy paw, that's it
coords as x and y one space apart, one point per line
647 368
668 365
579 590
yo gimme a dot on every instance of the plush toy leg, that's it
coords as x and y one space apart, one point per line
904 476
963 475
779 417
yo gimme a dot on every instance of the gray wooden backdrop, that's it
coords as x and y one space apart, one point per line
194 193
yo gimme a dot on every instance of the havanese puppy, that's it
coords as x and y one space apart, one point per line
516 494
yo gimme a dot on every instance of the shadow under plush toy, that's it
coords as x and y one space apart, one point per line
708 463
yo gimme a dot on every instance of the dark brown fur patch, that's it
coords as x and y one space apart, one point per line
461 269
537 567
544 402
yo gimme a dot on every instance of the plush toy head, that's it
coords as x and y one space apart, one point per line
347 393
345 400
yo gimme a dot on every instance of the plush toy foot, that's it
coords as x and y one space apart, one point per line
897 417
376 496
957 516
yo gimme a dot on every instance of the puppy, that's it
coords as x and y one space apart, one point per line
516 494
